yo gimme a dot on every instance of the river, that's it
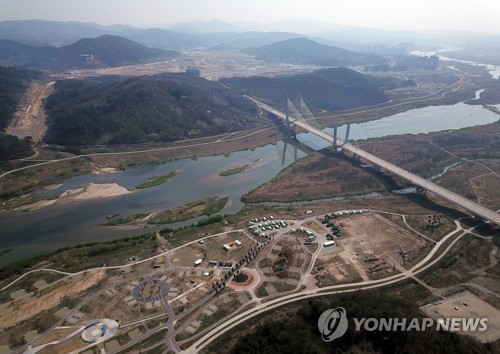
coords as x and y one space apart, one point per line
44 230
493 69
415 121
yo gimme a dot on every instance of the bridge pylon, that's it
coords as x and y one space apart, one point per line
287 117
338 145
420 190
285 146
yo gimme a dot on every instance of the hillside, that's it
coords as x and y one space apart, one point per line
104 51
328 89
140 109
270 334
13 83
306 51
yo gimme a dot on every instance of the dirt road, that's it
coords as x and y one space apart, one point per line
30 120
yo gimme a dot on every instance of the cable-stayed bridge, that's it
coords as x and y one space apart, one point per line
301 116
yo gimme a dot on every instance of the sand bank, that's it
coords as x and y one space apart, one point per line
93 191
86 192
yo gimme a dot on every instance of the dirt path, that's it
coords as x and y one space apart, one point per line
30 121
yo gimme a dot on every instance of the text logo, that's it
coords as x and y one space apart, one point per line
332 324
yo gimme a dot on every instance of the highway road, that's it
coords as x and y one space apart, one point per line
465 203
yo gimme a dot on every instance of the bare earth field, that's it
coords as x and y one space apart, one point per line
186 256
371 247
314 226
476 308
30 120
50 300
212 250
332 269
373 233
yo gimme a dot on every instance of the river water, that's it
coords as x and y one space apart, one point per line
415 121
494 70
53 227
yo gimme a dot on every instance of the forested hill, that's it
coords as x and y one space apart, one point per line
298 333
140 109
330 89
306 51
104 51
13 83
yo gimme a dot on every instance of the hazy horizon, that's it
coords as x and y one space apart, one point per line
402 15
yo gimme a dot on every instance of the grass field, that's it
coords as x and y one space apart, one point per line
157 180
125 219
233 171
90 255
205 206
25 200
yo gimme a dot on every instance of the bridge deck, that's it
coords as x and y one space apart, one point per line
465 203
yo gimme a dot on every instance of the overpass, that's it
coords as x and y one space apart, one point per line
454 198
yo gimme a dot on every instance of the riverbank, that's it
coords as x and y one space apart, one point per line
327 174
124 156
206 206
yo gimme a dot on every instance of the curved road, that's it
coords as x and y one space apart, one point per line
423 265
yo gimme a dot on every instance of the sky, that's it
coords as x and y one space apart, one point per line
415 15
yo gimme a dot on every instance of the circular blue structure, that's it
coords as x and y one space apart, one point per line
99 330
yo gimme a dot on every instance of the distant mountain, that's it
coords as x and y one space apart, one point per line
239 41
175 40
57 33
139 109
183 36
53 33
328 89
115 50
346 36
167 39
203 27
104 51
306 51
291 25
